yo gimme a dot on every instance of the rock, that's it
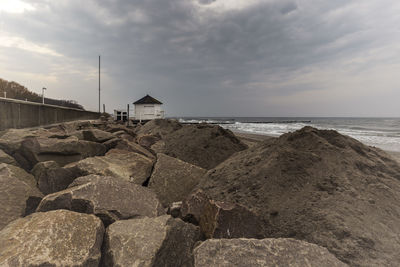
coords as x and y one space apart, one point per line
62 151
51 177
93 135
72 126
203 145
158 147
96 135
226 220
5 158
173 179
109 198
159 127
193 206
55 238
175 209
265 252
130 166
113 128
119 133
160 241
19 195
321 187
133 147
147 140
18 173
11 139
112 143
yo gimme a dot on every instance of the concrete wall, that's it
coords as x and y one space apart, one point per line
22 114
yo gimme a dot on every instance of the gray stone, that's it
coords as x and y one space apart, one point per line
147 140
175 209
109 198
130 166
134 147
112 143
160 241
55 238
159 127
96 135
5 158
173 179
203 145
62 151
19 195
193 205
266 252
158 147
227 220
11 140
51 177
114 128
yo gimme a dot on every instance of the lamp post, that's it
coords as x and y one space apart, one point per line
44 88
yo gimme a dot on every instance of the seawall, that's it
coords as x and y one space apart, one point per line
21 114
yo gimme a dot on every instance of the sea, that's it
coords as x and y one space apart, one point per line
383 133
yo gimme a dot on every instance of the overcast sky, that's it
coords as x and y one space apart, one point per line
207 57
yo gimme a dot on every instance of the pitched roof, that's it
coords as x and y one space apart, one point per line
147 100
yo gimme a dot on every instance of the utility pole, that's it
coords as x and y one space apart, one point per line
99 83
127 115
44 88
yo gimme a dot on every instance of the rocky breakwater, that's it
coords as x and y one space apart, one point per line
312 185
95 193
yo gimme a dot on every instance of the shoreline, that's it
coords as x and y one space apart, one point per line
251 139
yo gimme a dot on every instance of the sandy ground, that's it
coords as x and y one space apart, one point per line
252 139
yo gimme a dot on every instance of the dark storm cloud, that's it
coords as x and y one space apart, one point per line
198 58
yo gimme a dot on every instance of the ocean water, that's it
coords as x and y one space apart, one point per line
379 132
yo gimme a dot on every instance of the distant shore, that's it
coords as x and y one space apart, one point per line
250 139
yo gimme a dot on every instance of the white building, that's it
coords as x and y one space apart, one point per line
148 108
120 115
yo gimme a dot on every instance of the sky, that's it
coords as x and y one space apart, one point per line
209 57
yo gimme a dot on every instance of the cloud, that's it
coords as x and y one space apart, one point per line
229 57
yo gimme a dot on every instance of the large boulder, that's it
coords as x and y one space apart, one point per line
11 139
133 147
113 128
173 179
203 145
159 127
94 135
5 158
130 166
51 177
55 238
262 253
227 220
147 140
109 198
73 126
19 195
321 187
193 206
160 241
62 151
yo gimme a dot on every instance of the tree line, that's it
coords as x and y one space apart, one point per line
16 91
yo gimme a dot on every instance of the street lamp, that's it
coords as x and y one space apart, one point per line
44 88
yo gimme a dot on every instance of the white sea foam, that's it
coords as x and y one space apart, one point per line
382 133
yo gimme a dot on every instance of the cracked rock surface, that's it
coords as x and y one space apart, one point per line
109 198
55 238
265 252
160 241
